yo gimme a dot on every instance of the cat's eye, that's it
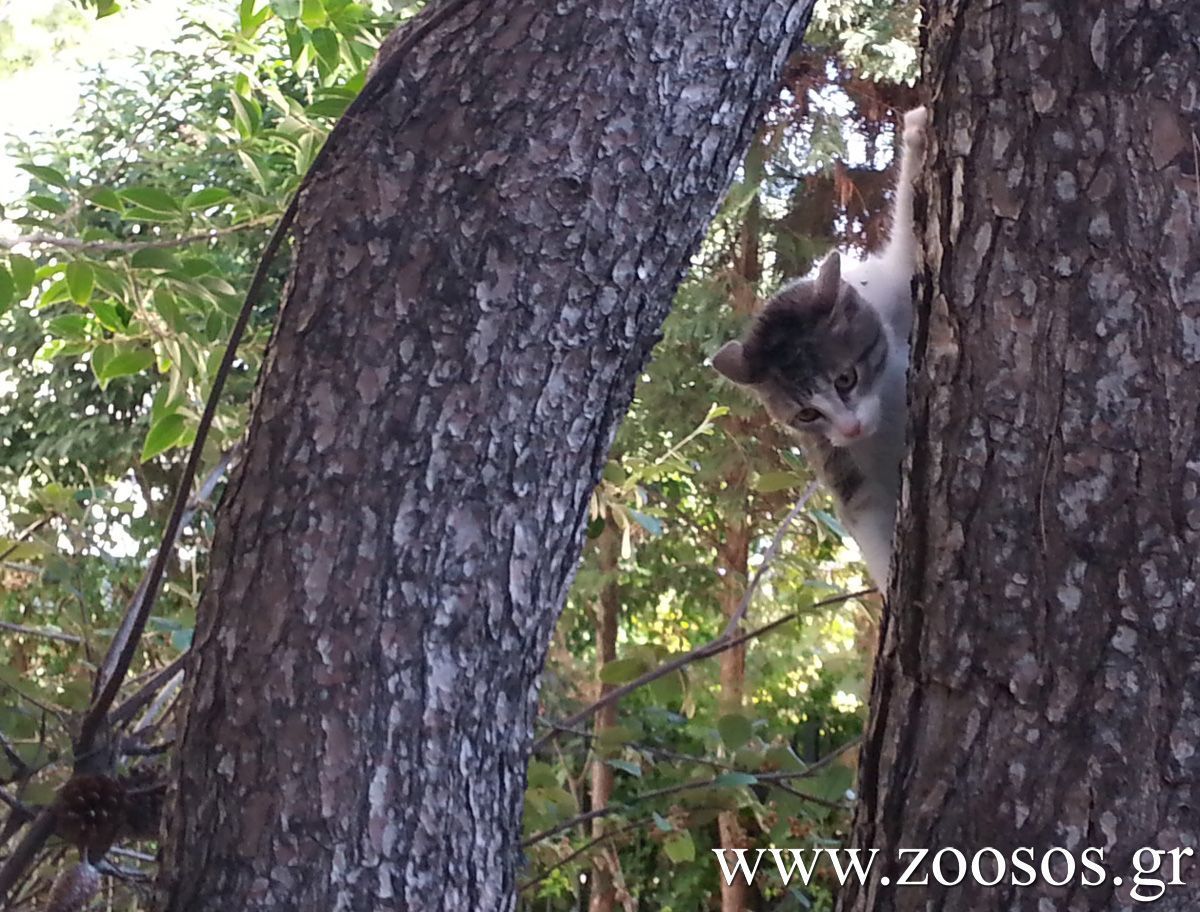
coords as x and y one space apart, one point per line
845 381
808 415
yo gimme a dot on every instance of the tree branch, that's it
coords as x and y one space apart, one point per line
706 651
79 246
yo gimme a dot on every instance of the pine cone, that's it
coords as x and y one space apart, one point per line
73 887
90 812
144 793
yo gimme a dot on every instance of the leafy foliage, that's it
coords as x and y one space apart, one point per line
141 223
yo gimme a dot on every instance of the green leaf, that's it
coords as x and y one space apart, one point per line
312 13
105 199
168 308
193 267
626 766
152 199
253 167
541 775
163 435
247 115
58 291
667 689
621 671
47 175
7 289
71 326
101 355
326 42
23 273
770 482
130 361
206 198
679 847
649 523
830 522
80 282
48 203
109 315
154 258
330 106
735 730
734 780
286 9
250 20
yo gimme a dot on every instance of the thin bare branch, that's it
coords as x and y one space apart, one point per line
120 650
772 552
75 245
706 651
587 846
41 632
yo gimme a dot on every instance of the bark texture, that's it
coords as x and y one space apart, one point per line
1039 676
478 278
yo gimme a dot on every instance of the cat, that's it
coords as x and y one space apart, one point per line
828 358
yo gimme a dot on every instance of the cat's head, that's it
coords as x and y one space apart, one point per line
814 356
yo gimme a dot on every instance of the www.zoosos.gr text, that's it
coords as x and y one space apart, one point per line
1154 869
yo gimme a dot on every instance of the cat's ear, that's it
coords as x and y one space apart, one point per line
829 280
731 362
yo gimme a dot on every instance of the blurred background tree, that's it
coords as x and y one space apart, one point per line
121 269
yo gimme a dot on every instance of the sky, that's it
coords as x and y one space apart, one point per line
37 98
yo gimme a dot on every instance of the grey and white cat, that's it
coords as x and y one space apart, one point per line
828 355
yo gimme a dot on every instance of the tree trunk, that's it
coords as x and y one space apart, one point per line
1037 683
602 893
479 276
736 561
735 553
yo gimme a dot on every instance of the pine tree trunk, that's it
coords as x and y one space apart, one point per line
478 279
1041 659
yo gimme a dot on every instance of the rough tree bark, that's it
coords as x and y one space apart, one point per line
478 279
1037 683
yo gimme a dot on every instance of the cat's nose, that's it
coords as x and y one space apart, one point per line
852 428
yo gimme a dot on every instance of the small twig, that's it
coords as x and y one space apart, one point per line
804 796
769 556
705 651
131 853
145 694
28 531
161 702
79 246
590 844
